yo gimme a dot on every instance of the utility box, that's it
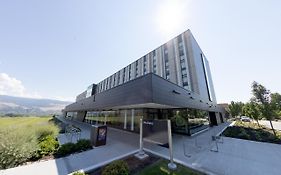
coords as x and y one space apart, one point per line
98 135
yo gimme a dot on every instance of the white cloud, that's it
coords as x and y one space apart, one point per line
12 86
70 99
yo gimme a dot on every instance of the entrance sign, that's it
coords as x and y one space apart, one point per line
98 135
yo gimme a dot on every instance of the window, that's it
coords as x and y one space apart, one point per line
118 78
114 80
137 69
154 61
144 65
206 74
102 86
179 38
168 76
183 63
129 72
180 45
109 84
184 72
124 73
166 64
181 52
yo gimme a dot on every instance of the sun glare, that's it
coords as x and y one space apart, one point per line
170 16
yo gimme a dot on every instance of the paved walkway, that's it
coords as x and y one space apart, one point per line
119 144
234 156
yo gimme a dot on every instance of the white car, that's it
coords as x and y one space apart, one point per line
245 119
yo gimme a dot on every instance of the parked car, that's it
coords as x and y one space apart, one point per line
245 119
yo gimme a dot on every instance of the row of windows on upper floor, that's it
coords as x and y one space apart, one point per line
115 79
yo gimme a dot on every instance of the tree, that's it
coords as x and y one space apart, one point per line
276 101
252 110
261 96
235 108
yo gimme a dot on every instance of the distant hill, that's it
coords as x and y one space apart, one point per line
30 106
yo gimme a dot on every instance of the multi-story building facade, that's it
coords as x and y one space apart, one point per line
173 81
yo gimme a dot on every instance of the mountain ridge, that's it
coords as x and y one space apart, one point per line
30 106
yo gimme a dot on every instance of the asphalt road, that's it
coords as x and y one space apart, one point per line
276 125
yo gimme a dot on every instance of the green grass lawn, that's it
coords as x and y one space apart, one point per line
251 131
24 138
161 168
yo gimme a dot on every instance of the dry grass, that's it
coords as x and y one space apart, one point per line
19 138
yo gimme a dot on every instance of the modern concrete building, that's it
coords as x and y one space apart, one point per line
171 82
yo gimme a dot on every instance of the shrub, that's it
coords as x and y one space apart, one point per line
83 145
243 135
118 167
16 147
25 138
66 149
78 173
252 131
48 145
69 148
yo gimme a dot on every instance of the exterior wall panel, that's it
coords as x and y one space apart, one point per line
189 53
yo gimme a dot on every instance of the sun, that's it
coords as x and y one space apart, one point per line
169 17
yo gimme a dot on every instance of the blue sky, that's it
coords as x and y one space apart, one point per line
56 48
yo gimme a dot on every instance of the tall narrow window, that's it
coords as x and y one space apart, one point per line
206 77
137 68
166 62
182 62
129 72
114 79
154 61
124 73
144 65
118 78
109 84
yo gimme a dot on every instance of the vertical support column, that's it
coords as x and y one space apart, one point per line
132 119
171 165
141 137
97 118
141 154
125 120
105 119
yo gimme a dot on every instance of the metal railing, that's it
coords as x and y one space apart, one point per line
72 132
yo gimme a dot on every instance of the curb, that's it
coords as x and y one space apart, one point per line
90 168
180 162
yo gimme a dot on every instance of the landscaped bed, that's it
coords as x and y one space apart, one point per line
150 166
28 139
161 168
252 131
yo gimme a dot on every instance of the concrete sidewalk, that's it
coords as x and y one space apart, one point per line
119 144
234 156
